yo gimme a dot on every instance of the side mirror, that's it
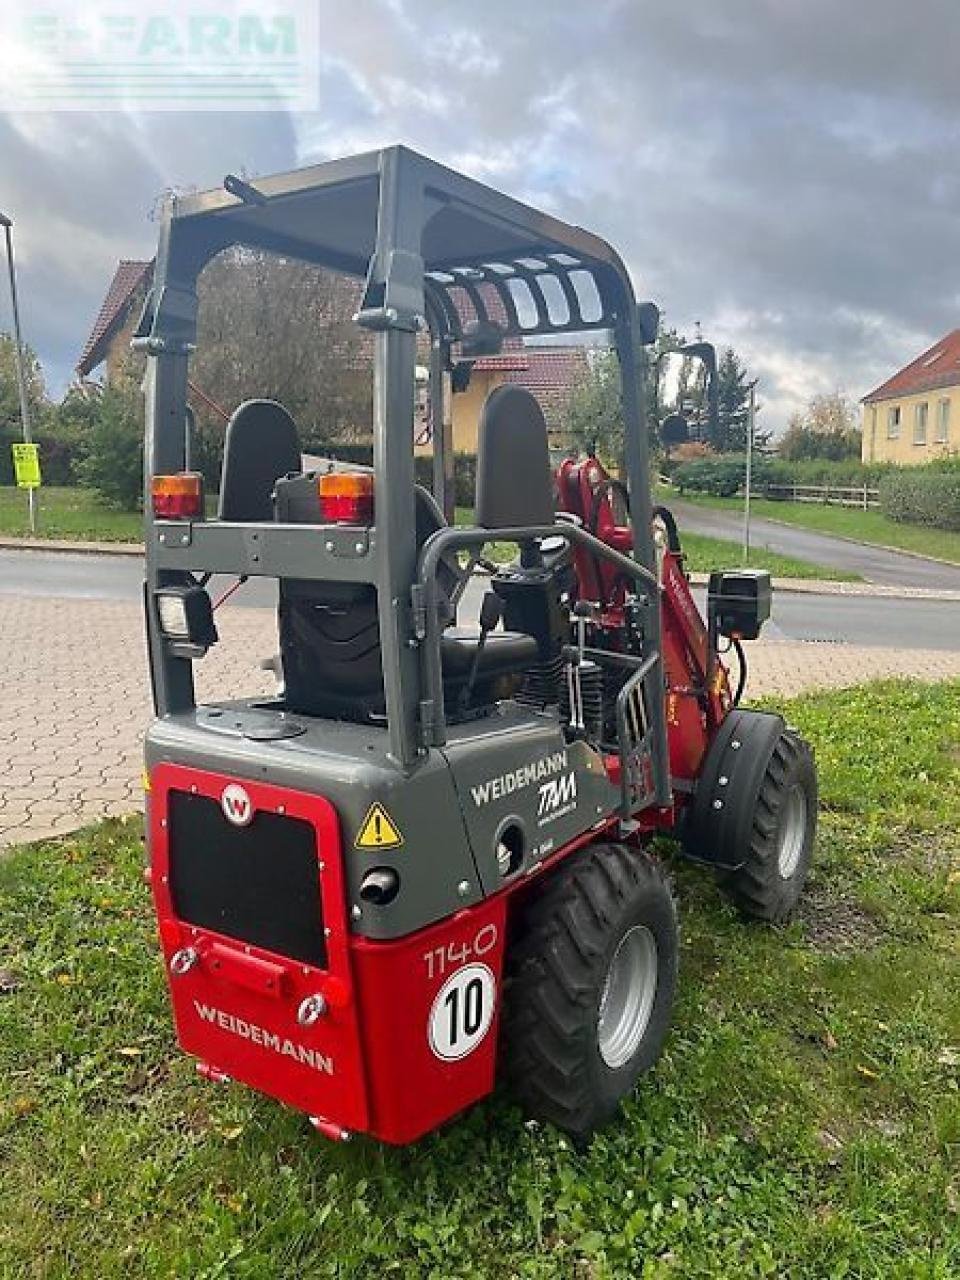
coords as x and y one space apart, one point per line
481 338
648 322
675 429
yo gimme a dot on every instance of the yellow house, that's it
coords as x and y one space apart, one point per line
914 416
550 373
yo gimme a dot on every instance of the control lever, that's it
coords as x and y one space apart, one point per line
583 611
491 611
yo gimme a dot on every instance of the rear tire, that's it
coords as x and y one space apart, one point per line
769 884
591 981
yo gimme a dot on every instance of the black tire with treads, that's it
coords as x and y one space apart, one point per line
758 887
556 970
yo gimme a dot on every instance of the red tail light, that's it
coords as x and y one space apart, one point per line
178 497
346 497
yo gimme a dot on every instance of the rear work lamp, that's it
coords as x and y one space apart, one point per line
186 620
346 497
178 497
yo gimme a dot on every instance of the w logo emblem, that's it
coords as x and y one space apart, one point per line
236 805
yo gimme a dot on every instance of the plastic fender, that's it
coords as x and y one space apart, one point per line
717 824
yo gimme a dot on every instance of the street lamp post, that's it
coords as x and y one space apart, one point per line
751 425
7 224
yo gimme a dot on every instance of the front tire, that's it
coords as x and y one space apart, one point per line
591 982
769 883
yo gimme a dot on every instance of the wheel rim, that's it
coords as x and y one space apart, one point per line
628 995
793 831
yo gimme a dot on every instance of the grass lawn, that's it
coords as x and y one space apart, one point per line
804 1121
863 526
704 553
72 514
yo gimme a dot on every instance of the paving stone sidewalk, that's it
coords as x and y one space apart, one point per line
74 699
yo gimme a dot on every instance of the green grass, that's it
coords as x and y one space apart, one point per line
71 514
703 554
804 1120
847 522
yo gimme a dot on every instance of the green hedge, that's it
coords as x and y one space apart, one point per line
923 495
721 476
724 475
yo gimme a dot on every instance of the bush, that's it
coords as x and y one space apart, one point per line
848 474
113 461
923 495
723 475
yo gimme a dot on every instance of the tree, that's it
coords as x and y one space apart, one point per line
275 328
11 429
113 455
595 413
733 396
827 429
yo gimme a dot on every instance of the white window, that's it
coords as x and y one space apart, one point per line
943 421
893 423
920 414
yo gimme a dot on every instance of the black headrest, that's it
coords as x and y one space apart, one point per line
514 484
261 444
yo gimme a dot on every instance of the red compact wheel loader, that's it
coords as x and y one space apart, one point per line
425 863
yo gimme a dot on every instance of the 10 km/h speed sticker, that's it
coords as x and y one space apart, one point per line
462 1012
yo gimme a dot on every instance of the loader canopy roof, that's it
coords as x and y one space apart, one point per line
485 255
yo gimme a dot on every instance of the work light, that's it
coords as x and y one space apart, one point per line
186 620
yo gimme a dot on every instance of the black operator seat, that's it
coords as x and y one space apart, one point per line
515 488
261 444
330 631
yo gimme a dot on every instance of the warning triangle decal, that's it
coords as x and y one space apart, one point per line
378 830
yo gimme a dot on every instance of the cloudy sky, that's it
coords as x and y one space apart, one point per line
783 171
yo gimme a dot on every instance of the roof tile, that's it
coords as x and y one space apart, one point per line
127 279
938 366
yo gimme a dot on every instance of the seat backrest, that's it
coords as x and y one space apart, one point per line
260 446
514 483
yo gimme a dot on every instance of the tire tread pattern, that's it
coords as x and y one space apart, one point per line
757 887
555 972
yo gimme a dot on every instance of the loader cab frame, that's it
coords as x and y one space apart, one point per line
436 251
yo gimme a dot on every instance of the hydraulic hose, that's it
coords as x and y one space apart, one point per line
742 678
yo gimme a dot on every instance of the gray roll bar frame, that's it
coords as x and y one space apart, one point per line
437 249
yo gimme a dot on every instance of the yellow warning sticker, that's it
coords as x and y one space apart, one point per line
378 830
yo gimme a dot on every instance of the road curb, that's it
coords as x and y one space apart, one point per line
72 548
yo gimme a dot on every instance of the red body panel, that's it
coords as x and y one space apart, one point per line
367 1063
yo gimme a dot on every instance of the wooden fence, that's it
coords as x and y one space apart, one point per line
861 496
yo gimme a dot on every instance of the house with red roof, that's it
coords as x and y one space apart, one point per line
108 342
550 372
914 416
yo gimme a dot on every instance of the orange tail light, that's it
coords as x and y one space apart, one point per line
346 497
178 497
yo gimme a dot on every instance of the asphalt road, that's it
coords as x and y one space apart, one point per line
889 568
859 620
